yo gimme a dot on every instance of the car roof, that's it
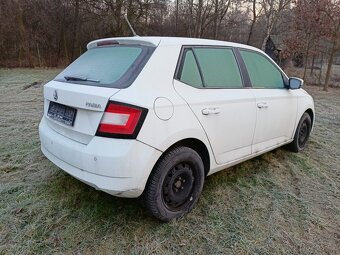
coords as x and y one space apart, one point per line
168 41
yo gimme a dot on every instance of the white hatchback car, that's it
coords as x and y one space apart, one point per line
156 115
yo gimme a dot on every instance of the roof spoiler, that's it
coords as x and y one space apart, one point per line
135 40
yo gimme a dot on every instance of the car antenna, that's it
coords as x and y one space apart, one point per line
129 24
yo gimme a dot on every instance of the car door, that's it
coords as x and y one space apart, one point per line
276 106
209 80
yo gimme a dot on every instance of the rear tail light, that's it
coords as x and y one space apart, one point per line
121 120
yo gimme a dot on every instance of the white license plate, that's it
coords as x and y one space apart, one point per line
62 113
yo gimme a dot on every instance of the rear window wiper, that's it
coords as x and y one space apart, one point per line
79 78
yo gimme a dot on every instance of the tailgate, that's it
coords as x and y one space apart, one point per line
89 103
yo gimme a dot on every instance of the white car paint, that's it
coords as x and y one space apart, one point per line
236 110
275 119
234 126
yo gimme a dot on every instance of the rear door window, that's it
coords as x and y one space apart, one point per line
109 66
219 67
190 73
262 72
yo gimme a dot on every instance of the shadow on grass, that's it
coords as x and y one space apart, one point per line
246 171
63 214
86 201
83 200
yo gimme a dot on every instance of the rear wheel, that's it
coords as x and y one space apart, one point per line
175 184
302 133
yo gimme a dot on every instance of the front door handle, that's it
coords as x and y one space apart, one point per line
208 111
262 105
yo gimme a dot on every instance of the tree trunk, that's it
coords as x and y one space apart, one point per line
251 31
321 68
264 43
190 18
118 14
269 17
199 18
75 29
306 57
312 67
176 17
216 20
24 41
336 37
129 13
253 21
65 48
146 12
38 53
330 64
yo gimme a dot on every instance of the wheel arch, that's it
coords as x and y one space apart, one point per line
305 104
195 144
311 115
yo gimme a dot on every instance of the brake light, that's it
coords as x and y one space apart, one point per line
107 43
121 120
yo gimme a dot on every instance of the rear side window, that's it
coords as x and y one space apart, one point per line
190 72
262 72
219 67
110 66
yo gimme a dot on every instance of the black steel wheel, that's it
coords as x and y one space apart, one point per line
175 184
302 133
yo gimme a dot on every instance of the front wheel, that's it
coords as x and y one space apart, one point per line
175 184
302 133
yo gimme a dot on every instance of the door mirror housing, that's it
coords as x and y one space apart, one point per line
295 83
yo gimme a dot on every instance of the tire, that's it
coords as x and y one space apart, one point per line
301 134
175 184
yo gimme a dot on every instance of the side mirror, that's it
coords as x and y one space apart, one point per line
295 83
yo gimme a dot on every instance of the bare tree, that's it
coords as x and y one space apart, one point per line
176 16
53 33
256 12
309 27
198 26
221 9
332 12
272 12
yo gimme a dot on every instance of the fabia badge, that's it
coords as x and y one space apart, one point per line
93 105
55 95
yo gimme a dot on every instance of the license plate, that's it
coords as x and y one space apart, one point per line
62 113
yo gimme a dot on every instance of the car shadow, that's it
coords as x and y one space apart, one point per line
78 196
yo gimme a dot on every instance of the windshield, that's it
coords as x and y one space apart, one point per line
110 66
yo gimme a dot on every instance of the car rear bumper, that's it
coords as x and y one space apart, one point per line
119 167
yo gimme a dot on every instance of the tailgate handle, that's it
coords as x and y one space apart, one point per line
208 111
262 105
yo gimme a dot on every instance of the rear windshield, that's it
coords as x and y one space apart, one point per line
109 66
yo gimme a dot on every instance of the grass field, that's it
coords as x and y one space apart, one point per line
278 203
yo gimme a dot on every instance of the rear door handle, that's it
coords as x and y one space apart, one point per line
262 105
208 111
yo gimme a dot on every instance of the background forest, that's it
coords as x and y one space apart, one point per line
36 33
